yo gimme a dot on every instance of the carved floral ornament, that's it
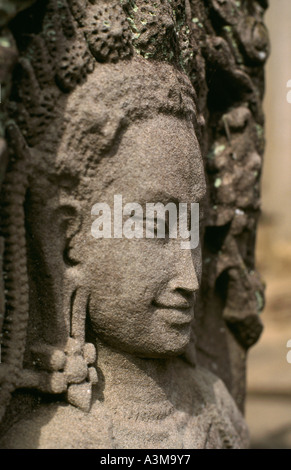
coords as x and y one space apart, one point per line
100 88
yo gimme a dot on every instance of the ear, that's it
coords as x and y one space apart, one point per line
69 220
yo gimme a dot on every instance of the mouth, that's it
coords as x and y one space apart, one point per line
179 314
177 306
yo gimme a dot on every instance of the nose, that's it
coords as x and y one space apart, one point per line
186 279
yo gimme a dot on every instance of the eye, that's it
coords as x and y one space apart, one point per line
157 228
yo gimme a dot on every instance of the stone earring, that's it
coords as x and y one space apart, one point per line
68 369
79 371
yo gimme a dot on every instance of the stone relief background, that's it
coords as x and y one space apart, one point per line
221 46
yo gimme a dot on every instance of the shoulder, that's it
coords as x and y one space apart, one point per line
225 416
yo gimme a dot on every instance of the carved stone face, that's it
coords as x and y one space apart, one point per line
142 291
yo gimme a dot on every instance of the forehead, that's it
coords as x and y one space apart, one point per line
158 159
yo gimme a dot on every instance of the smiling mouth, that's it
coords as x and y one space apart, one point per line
182 306
183 313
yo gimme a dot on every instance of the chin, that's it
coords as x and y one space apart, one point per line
167 345
169 341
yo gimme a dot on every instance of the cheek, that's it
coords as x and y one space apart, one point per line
124 273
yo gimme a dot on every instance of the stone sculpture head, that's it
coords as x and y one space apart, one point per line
132 136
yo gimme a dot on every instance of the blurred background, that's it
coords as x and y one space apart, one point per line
268 407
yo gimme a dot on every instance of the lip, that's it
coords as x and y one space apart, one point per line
182 306
181 314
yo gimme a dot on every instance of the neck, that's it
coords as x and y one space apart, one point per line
136 386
